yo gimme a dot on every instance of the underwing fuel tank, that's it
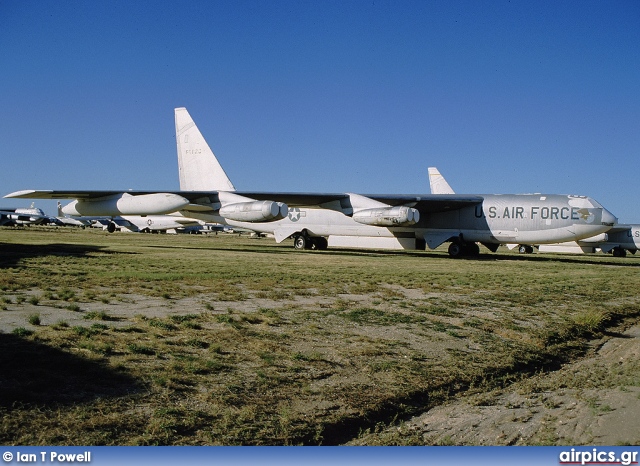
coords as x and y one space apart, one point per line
255 211
127 204
388 216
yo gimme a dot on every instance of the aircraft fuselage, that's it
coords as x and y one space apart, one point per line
498 219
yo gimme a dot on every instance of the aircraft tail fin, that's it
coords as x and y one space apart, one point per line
60 213
198 166
437 182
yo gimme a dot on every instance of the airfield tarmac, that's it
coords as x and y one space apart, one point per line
592 399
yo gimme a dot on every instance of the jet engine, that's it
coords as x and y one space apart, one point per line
388 216
255 211
127 204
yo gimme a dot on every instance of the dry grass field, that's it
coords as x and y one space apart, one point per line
134 339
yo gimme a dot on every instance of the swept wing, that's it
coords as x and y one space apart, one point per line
207 200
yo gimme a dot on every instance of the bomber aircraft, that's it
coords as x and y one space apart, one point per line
22 216
151 223
320 220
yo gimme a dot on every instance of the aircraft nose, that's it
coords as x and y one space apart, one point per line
608 218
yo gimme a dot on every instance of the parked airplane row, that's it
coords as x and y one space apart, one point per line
134 223
321 220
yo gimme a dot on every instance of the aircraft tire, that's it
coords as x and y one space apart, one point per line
321 243
471 249
111 227
300 242
619 252
455 250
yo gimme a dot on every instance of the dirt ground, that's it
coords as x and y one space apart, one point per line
593 401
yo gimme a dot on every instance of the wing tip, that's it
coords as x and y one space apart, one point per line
23 193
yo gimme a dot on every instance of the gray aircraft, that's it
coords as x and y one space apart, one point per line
22 216
320 220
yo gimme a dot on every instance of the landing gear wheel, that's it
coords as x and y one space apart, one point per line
619 252
303 241
321 243
461 249
472 249
111 227
300 242
455 250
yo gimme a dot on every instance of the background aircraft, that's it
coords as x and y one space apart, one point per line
23 216
150 223
319 220
132 223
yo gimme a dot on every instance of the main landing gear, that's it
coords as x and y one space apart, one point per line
463 249
304 241
525 249
619 252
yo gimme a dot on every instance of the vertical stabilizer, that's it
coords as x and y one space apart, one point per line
437 182
199 169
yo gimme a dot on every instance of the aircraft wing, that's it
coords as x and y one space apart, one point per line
202 200
425 203
430 203
55 194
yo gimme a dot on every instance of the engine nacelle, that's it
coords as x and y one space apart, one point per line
126 204
388 216
255 211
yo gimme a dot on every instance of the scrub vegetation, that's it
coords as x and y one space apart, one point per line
133 339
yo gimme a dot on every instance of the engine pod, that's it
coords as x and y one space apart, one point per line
254 211
388 216
127 204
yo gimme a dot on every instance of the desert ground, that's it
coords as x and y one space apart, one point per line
133 339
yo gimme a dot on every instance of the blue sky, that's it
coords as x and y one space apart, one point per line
330 96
